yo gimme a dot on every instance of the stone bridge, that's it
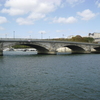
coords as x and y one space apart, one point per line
50 46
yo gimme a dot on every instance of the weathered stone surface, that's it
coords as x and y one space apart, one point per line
50 47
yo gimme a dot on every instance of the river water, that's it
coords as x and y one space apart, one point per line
28 76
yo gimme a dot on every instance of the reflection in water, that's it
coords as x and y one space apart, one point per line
27 76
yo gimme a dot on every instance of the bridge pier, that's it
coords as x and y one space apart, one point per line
1 53
81 52
96 50
1 49
47 52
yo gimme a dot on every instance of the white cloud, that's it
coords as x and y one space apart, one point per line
63 20
1 28
98 3
13 11
86 14
3 20
36 16
24 21
30 19
33 9
30 6
75 2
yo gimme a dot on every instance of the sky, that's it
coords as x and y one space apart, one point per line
48 18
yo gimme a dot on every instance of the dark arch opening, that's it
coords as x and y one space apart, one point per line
39 49
97 50
76 49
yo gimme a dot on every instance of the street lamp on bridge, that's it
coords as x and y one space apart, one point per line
42 32
13 34
41 35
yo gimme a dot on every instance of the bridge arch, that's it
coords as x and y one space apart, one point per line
75 49
97 50
40 48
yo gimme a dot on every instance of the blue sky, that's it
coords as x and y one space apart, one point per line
48 18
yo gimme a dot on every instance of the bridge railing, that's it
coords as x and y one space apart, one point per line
18 39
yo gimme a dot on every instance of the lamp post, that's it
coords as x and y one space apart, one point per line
42 32
30 36
5 35
41 35
13 34
63 35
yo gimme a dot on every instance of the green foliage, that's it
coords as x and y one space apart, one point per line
77 38
81 39
88 39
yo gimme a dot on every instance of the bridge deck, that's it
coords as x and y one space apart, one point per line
44 40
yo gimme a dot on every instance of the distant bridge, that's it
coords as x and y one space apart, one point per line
44 46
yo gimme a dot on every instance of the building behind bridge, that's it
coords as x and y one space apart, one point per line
95 35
